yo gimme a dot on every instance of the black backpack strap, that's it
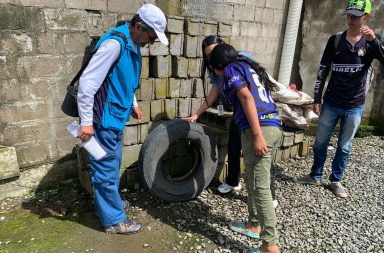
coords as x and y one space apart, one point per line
78 75
121 35
337 40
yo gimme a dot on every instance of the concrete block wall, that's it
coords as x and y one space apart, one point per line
44 43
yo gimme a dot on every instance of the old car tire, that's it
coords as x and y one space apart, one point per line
202 147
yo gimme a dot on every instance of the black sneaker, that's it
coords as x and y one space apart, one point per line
124 227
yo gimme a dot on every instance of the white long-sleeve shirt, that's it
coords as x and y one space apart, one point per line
94 76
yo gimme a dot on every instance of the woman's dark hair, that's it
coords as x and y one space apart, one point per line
144 26
224 54
207 41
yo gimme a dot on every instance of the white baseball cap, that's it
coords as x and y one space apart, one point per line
155 18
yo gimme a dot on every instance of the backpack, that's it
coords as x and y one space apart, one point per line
69 105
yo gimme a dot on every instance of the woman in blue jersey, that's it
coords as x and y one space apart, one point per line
232 181
247 88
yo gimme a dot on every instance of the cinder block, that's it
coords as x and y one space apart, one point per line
225 29
198 89
29 154
33 110
236 28
194 67
238 42
160 66
244 13
160 86
195 104
43 3
130 156
48 43
275 4
131 135
9 166
190 46
9 90
304 148
173 88
186 86
123 5
286 153
267 15
75 42
179 67
36 66
175 24
158 49
294 150
250 29
144 128
184 107
88 4
257 3
271 30
144 67
176 44
199 51
299 137
259 14
170 108
278 155
26 132
157 110
288 139
146 89
222 12
193 26
66 19
13 43
278 17
209 28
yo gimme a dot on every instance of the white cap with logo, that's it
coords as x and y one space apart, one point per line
155 18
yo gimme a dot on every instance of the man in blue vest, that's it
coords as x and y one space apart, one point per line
349 56
106 101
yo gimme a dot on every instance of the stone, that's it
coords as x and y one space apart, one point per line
9 166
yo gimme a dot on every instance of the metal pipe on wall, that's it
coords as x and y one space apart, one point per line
290 37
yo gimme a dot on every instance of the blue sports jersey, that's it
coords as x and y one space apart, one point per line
238 75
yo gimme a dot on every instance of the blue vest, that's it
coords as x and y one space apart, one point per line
119 87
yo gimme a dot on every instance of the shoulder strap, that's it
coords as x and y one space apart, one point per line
76 78
337 39
121 35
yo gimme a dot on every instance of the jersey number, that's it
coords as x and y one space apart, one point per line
260 88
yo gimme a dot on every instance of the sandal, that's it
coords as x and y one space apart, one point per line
239 227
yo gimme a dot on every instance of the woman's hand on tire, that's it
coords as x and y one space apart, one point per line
192 118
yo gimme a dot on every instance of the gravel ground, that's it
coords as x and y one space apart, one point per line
310 218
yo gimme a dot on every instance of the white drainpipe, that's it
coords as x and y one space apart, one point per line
290 37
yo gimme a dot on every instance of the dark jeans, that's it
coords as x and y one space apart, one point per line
234 154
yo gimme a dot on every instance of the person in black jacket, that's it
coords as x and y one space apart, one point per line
344 99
